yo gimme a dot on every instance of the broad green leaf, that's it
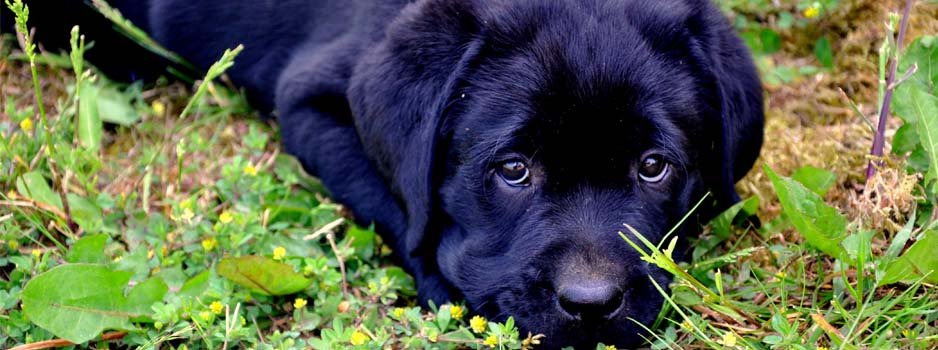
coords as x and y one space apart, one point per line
923 52
817 180
263 275
925 107
173 276
88 127
918 261
89 249
823 52
721 224
918 160
771 42
900 238
116 107
76 302
820 225
905 140
145 294
443 316
685 295
902 105
462 334
85 213
195 286
362 240
33 185
858 246
785 20
135 262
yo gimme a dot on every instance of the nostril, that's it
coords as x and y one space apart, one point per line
594 300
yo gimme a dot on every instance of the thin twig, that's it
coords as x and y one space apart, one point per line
58 343
66 208
325 229
331 238
879 139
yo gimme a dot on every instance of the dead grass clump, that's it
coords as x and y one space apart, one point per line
887 201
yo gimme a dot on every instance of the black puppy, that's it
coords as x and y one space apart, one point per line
500 145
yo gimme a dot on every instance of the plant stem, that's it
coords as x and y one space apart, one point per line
879 139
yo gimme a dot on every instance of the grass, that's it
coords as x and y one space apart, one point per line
157 195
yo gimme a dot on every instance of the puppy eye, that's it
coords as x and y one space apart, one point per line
653 169
515 173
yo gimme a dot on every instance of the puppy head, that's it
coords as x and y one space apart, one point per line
542 128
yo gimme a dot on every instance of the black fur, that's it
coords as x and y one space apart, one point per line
405 110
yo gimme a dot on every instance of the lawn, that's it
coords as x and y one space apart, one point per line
166 215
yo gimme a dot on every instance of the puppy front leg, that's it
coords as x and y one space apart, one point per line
317 128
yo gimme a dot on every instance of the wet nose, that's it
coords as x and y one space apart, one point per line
590 300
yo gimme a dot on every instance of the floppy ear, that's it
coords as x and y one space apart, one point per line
740 109
730 82
399 92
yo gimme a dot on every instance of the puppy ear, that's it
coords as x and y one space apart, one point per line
740 108
399 92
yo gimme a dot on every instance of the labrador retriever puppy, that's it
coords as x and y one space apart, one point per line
499 146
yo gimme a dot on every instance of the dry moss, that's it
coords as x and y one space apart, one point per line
809 122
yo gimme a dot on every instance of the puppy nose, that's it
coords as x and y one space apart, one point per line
591 300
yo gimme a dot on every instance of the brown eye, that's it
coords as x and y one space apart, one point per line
515 173
653 169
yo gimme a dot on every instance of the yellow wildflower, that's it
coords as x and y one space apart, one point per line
37 253
299 303
457 311
205 315
250 170
225 217
117 259
26 125
821 348
150 254
279 253
358 338
11 194
209 243
492 341
477 323
216 307
687 326
187 213
398 312
729 339
158 108
610 347
812 11
906 333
